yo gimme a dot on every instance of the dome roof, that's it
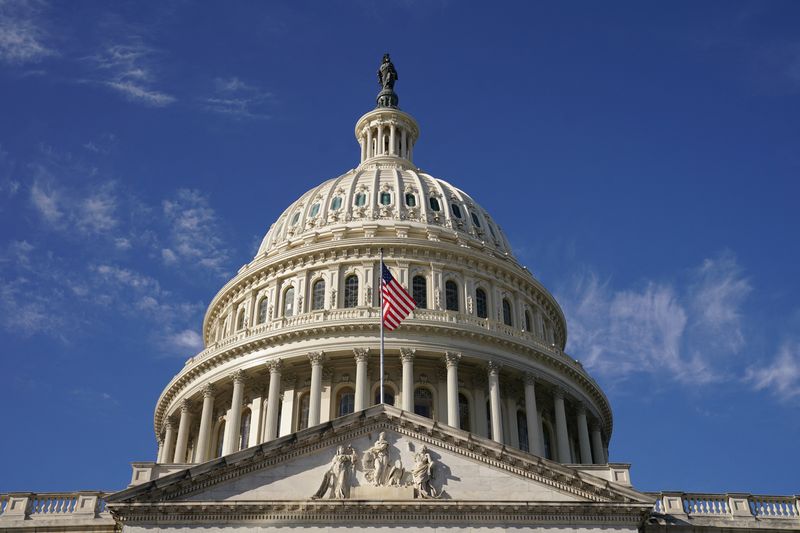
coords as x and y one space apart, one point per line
389 195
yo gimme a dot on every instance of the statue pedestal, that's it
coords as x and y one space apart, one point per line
387 98
368 492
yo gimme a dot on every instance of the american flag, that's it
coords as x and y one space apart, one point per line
397 303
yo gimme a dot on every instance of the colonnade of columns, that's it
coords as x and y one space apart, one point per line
387 138
590 447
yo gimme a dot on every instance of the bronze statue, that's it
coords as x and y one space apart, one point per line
387 75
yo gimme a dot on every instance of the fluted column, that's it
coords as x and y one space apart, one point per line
451 359
169 441
403 143
361 356
369 146
379 148
531 416
598 453
206 421
392 138
407 357
562 436
583 436
493 369
183 432
363 144
315 400
233 423
275 367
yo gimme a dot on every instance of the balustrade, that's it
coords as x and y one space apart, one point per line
775 506
53 506
728 505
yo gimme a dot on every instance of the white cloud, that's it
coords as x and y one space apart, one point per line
22 35
687 332
195 233
126 278
188 339
781 376
235 98
92 214
121 243
45 199
129 69
95 214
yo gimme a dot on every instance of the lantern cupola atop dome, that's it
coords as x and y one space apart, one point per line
386 133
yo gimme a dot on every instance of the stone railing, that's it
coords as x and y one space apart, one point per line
73 510
695 505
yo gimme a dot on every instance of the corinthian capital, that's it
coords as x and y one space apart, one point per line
407 354
209 390
361 354
186 405
238 376
275 366
452 358
493 368
316 358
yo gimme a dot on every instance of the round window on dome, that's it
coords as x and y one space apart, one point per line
295 218
360 199
434 204
315 210
336 203
386 198
456 210
475 220
411 200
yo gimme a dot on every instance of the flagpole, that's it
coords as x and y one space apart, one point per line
381 315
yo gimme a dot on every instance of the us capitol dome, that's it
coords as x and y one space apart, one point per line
486 424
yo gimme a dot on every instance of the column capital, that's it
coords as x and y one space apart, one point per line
168 424
209 390
530 378
595 426
186 405
361 354
559 393
493 368
238 376
316 358
407 354
581 408
275 366
451 359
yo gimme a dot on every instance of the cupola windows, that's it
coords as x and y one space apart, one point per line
360 199
295 218
411 200
315 210
434 203
456 210
475 220
386 198
336 203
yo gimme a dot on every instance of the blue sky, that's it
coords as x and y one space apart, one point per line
642 157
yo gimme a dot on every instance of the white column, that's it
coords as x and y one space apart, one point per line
534 429
315 400
233 422
407 357
379 148
363 144
493 369
206 421
361 400
583 436
183 432
369 142
273 399
562 436
169 441
451 359
479 393
160 452
392 139
403 143
597 445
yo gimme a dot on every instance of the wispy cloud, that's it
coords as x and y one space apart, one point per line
129 69
781 376
237 99
685 332
195 234
22 34
92 213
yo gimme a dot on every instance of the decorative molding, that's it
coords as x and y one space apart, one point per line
451 359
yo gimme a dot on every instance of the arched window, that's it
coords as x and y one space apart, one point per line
240 319
411 200
302 411
463 412
288 302
345 401
336 203
244 430
314 210
491 230
434 203
548 441
419 291
507 313
295 218
386 198
351 291
388 395
451 295
475 220
522 431
318 295
528 321
480 303
360 199
220 438
262 310
423 402
456 210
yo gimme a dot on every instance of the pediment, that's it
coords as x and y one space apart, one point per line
378 455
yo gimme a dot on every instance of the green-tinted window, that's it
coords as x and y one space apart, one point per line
336 203
434 204
315 210
411 200
386 198
361 199
295 218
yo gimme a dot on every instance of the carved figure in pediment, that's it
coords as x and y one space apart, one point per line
377 467
339 477
422 474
